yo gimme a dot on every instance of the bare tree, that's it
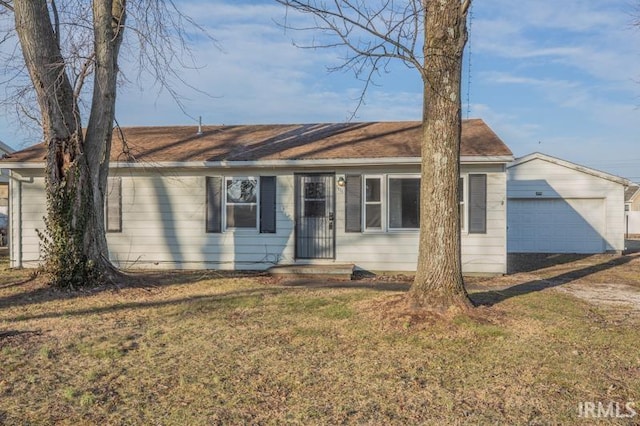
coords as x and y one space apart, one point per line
428 35
70 49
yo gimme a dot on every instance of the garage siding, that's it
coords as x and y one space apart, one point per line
586 205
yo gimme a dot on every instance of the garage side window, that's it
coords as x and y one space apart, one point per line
477 204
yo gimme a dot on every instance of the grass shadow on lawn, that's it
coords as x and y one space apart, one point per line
226 298
35 290
492 297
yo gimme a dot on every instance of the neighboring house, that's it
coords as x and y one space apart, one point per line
632 210
249 197
4 197
632 198
555 206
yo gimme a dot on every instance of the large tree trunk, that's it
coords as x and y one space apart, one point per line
74 242
438 283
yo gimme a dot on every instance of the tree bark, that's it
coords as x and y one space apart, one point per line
438 283
74 242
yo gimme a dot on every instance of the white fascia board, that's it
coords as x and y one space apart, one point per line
570 165
272 163
12 166
4 148
482 159
276 163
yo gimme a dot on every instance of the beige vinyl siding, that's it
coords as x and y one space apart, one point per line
31 215
163 225
398 250
540 179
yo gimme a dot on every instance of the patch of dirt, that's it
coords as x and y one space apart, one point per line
616 295
604 280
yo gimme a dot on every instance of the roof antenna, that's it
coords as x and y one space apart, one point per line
469 57
199 125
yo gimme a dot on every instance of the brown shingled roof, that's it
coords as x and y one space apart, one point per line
630 192
284 142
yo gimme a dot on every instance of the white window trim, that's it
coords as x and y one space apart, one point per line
224 204
383 204
384 201
386 198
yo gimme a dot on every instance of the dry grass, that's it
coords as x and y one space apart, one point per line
216 349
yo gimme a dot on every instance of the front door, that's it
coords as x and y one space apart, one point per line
315 206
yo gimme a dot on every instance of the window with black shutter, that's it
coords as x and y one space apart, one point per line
214 204
353 203
113 205
477 204
267 204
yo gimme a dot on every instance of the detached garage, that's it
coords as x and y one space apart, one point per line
555 206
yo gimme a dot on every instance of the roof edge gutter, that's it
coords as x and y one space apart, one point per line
274 163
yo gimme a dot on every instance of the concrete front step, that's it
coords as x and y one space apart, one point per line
334 272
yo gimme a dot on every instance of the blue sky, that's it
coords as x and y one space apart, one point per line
559 77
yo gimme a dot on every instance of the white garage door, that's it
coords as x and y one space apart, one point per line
555 226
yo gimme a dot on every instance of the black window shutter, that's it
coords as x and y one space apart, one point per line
353 204
477 204
214 204
113 211
267 204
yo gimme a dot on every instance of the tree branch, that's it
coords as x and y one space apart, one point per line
464 8
56 21
6 4
372 35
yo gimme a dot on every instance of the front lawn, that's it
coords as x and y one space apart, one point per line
208 348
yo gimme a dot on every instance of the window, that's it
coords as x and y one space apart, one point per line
404 202
239 198
373 202
113 205
241 202
392 202
315 200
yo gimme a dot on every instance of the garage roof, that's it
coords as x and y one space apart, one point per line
568 164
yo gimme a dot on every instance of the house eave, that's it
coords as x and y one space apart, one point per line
309 163
5 148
